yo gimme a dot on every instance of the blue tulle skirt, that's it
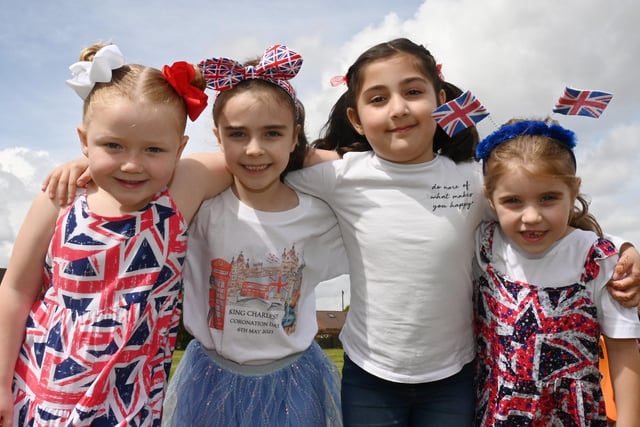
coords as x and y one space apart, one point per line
207 390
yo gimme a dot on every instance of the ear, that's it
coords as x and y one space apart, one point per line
82 134
296 134
216 132
352 115
488 197
442 97
183 144
576 188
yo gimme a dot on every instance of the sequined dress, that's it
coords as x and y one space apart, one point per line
99 342
537 362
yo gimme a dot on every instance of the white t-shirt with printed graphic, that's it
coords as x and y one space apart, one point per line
409 234
250 276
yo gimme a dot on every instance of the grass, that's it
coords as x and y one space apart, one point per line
334 354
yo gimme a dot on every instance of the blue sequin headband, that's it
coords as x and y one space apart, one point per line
556 132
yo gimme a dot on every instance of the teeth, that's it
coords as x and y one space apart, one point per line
255 167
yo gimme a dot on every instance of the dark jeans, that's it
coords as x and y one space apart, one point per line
373 402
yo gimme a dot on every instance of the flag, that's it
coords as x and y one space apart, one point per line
460 113
576 102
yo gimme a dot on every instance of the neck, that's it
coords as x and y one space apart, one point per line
277 197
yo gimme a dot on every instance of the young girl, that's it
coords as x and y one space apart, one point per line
541 301
101 329
407 205
256 253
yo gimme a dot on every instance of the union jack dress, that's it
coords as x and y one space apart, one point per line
537 362
99 342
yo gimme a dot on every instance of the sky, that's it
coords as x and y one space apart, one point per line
516 57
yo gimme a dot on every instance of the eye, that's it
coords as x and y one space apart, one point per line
236 134
112 145
510 201
273 134
377 99
415 92
550 197
155 150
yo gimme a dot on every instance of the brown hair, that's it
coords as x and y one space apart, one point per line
271 91
542 156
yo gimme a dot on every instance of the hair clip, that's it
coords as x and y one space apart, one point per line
508 132
180 75
338 81
278 64
87 73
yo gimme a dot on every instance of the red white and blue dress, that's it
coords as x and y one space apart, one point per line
538 321
99 342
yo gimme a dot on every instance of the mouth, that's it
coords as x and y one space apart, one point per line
255 168
129 183
402 129
533 236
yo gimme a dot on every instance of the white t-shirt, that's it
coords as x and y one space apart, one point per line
562 265
408 230
250 276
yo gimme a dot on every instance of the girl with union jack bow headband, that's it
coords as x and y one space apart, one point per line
408 198
98 283
256 253
541 302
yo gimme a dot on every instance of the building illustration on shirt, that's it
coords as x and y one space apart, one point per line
267 289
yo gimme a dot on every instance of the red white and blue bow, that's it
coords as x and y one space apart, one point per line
278 64
576 102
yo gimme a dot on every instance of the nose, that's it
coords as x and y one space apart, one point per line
531 215
132 164
254 147
398 106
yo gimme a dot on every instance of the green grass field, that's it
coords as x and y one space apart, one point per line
334 354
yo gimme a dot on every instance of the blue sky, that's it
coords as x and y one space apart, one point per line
516 57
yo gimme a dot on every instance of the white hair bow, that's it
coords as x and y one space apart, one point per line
87 73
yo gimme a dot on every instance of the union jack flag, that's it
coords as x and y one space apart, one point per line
576 102
460 113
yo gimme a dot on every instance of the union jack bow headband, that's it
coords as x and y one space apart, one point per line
278 64
87 73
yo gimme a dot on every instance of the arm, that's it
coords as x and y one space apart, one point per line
20 287
625 284
64 180
316 155
199 177
624 367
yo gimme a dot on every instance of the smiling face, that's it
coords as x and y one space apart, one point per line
533 210
257 134
393 110
132 149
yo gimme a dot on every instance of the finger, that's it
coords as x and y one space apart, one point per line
62 188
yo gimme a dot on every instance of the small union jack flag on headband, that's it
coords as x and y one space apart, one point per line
460 113
576 102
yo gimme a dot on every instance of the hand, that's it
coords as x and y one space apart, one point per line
625 284
64 180
6 408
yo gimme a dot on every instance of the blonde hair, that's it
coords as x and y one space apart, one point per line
138 83
542 156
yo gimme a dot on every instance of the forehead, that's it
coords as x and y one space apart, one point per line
388 71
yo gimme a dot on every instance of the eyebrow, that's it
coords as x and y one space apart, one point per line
406 81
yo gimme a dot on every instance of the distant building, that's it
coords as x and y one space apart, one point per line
330 324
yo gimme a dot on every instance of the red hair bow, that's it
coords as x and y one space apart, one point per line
180 75
278 64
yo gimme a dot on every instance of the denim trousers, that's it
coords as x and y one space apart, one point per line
373 402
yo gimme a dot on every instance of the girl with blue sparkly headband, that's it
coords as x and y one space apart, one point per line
540 290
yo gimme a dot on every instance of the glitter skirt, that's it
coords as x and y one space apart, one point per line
207 390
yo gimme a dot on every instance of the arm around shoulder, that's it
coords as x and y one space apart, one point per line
199 177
